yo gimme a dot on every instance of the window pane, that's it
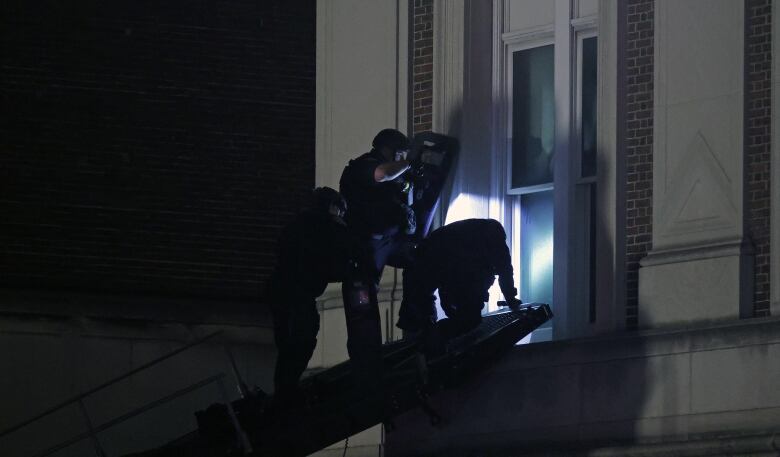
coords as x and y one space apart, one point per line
536 247
589 71
533 117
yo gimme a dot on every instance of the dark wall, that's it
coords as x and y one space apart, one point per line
152 147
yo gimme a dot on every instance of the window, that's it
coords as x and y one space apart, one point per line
552 162
533 119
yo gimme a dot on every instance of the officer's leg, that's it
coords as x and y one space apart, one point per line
382 251
296 337
361 307
305 329
469 313
400 252
462 303
416 280
281 332
364 331
284 378
418 306
447 302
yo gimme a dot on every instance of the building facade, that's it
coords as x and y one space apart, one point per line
151 152
626 147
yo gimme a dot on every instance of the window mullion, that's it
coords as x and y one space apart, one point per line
563 271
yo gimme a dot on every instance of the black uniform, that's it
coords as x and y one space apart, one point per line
461 260
376 220
313 251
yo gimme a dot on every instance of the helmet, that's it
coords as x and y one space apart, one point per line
390 138
324 197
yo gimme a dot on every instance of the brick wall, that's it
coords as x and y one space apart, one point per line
758 102
422 76
639 145
152 147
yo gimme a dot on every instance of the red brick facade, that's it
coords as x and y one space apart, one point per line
422 72
152 148
758 105
639 145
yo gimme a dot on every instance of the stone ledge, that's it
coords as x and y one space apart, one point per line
591 394
753 445
653 342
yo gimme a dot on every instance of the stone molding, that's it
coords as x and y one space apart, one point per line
737 247
700 267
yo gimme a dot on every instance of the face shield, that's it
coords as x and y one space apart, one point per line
401 154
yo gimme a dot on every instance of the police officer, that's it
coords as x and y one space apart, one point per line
379 221
462 260
313 251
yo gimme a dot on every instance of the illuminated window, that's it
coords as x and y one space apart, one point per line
552 162
536 247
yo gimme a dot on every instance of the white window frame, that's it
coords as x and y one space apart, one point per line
514 42
580 315
571 266
583 29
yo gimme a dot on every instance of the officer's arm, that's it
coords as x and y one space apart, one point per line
388 171
506 280
502 262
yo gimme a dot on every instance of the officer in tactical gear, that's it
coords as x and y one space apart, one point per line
313 250
379 220
461 260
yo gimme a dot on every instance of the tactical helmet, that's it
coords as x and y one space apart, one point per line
324 197
390 138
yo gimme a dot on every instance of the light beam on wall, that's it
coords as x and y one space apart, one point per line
541 259
465 206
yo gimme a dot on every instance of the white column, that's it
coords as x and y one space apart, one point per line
362 87
361 79
448 66
610 303
700 266
563 231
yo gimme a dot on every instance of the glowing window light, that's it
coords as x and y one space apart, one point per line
541 259
464 206
468 206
